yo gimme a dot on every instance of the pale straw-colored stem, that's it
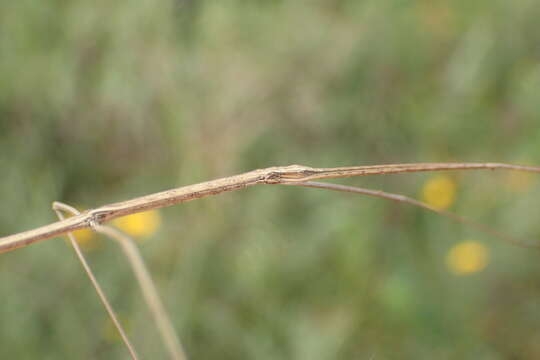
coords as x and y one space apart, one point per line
149 291
58 208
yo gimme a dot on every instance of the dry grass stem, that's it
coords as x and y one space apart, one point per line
148 289
58 208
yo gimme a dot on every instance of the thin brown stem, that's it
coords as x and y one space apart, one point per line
58 208
414 202
273 175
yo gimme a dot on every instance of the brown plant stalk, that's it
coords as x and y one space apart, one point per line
273 175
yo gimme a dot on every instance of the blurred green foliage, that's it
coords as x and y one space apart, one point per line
103 101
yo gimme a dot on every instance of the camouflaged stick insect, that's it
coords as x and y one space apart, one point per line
287 175
296 175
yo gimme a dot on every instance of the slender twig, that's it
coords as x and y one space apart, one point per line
148 289
273 175
58 208
414 202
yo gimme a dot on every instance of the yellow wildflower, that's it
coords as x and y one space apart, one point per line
439 192
141 224
467 257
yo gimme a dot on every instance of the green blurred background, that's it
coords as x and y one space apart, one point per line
103 101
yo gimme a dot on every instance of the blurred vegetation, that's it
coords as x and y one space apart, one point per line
103 101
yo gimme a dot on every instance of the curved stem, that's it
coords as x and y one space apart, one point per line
414 202
148 289
58 207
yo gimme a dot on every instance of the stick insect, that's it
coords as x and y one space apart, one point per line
292 175
298 175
